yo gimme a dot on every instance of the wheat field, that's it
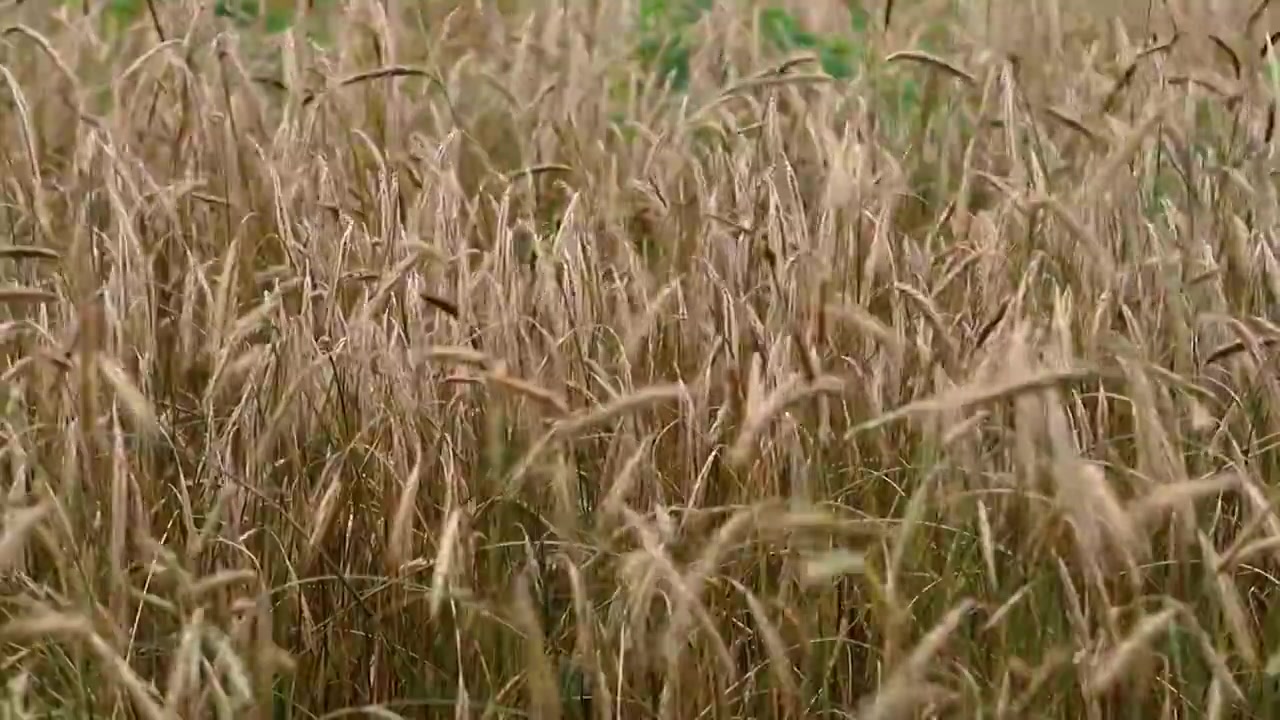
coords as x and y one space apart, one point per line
453 359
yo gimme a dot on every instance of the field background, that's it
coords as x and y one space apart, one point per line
639 359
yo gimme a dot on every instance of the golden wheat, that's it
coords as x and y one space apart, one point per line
449 359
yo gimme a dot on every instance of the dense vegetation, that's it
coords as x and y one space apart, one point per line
631 359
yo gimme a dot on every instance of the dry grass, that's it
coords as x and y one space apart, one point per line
459 369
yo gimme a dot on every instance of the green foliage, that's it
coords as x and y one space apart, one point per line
665 46
124 10
665 43
838 54
242 13
245 13
664 36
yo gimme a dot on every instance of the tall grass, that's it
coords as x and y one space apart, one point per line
460 364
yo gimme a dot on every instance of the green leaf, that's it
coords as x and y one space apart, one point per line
837 58
671 58
278 21
782 30
859 18
241 11
124 10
